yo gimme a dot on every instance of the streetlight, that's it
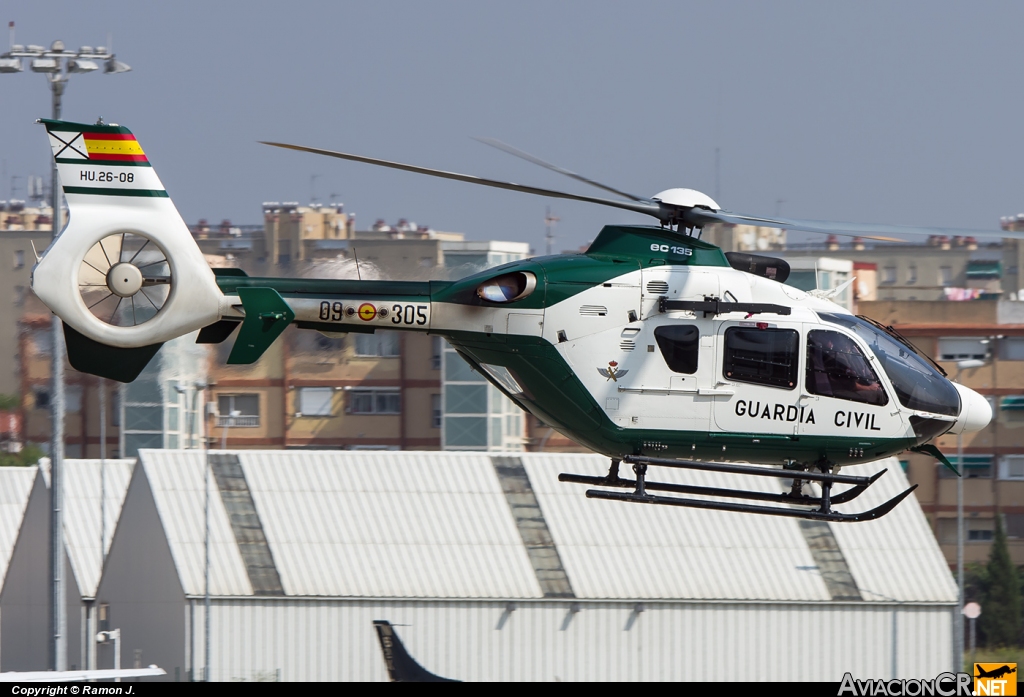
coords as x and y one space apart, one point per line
959 639
57 63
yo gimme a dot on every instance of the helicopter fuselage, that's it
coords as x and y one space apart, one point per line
588 344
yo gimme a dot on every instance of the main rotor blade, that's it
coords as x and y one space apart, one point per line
645 207
871 231
505 147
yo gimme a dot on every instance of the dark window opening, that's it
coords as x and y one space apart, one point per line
762 356
837 368
680 345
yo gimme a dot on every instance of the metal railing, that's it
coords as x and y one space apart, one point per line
245 421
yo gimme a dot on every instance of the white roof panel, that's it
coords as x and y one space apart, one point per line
437 525
388 524
82 514
15 487
896 556
615 549
176 479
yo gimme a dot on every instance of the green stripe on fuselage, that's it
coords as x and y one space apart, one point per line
555 395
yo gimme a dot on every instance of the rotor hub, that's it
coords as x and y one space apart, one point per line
124 279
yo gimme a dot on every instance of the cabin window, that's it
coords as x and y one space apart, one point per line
762 356
680 345
837 368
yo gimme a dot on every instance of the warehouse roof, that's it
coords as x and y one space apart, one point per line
15 487
442 525
83 481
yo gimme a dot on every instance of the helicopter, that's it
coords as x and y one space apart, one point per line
652 347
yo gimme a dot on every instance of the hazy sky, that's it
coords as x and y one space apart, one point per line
900 112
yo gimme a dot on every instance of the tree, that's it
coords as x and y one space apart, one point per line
1000 618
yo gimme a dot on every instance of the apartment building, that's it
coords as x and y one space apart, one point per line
993 459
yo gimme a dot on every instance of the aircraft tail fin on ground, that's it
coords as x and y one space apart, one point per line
401 666
125 272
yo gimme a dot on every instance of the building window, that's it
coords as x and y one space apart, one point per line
436 344
975 530
888 274
316 401
19 259
1014 524
946 276
974 467
1012 467
374 401
238 410
42 397
1011 348
762 356
962 348
73 399
382 343
435 411
42 340
912 274
19 296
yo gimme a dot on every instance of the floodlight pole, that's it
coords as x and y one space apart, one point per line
958 622
57 405
63 63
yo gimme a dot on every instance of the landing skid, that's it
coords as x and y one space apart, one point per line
824 503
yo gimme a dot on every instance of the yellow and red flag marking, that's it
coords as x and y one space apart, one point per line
114 146
367 312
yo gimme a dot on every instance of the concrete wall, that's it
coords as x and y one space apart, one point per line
333 640
140 584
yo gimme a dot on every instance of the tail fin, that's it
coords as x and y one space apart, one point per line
401 666
125 272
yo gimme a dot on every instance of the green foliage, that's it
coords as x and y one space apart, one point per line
999 624
28 456
9 402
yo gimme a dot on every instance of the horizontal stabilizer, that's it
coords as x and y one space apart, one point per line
217 332
111 362
229 272
266 316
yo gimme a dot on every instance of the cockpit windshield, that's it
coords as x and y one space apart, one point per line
918 384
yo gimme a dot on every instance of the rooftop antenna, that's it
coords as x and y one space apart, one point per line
549 222
312 187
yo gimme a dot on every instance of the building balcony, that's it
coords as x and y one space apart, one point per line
245 421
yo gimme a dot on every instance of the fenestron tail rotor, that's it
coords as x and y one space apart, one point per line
125 279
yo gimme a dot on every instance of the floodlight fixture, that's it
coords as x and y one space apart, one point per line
82 65
10 65
116 66
45 65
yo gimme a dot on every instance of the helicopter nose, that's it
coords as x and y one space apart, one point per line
975 411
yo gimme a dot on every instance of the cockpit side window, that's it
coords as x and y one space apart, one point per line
680 345
837 368
917 383
762 356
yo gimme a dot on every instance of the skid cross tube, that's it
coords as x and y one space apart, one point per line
799 499
753 469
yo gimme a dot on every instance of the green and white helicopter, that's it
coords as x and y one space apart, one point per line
652 347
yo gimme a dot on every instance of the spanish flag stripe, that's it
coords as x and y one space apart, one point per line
108 136
113 147
117 157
